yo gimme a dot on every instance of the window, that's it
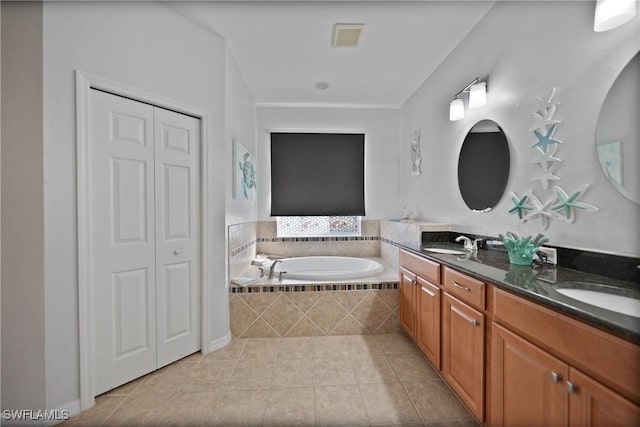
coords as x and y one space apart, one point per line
318 226
317 174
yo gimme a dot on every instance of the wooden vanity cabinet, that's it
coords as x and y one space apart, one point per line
514 362
591 404
550 370
463 338
428 320
420 303
527 383
408 284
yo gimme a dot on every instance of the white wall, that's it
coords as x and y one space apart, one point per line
152 48
23 297
525 49
382 129
241 125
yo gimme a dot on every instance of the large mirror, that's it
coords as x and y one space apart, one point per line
483 166
618 133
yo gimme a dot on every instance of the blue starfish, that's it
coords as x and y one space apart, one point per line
567 204
520 207
544 141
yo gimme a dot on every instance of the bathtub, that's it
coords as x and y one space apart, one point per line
327 268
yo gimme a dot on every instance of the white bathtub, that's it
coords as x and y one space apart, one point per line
327 268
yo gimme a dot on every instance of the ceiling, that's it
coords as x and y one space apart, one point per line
284 48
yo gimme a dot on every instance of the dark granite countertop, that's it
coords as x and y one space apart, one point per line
541 284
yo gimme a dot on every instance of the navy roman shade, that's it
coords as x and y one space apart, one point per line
317 174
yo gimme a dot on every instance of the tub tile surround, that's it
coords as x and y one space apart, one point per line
395 233
309 381
380 239
279 308
286 314
241 247
367 245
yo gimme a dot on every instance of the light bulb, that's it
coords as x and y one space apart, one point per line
613 13
456 109
478 95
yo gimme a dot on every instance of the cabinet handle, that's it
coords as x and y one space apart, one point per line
414 281
460 286
428 291
571 387
471 320
556 377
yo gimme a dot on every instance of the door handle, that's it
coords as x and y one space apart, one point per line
177 251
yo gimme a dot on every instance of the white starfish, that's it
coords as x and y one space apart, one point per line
546 174
544 118
545 157
544 104
540 210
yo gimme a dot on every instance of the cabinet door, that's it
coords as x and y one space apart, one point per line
593 404
428 320
527 384
408 302
463 352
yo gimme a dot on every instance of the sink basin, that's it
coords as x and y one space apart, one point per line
445 251
613 302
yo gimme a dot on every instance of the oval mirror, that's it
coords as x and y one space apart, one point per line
483 166
618 133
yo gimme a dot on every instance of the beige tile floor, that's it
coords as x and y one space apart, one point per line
356 380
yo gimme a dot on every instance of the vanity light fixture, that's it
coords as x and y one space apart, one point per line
477 91
613 13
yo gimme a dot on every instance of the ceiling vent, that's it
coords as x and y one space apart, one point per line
346 35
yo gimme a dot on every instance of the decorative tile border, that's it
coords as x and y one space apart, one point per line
314 287
316 239
243 248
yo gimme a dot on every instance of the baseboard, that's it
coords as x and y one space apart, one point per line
47 418
217 344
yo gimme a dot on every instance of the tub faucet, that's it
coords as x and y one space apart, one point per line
273 267
469 244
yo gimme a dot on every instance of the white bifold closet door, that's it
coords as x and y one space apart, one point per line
144 215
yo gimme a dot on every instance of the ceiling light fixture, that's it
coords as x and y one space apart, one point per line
322 85
613 13
477 91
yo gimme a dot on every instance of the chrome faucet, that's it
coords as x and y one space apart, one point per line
273 267
469 244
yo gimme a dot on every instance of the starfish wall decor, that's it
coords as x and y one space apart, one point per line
559 205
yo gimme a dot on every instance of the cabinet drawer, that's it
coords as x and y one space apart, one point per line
423 267
464 287
607 358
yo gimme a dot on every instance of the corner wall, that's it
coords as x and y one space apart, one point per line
525 49
23 296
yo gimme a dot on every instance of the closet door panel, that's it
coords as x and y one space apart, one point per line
177 230
123 239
